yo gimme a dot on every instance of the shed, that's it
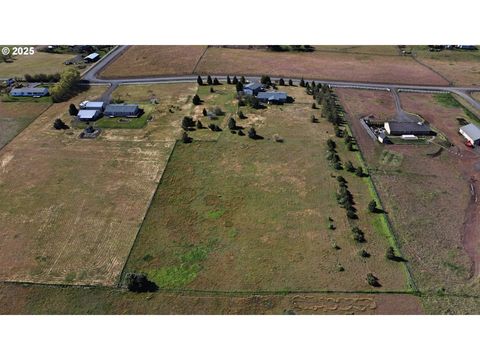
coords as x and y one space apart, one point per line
118 110
92 105
29 91
471 132
92 57
272 97
252 88
407 128
88 115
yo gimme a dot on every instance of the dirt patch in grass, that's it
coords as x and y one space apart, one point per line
156 60
257 213
318 65
70 208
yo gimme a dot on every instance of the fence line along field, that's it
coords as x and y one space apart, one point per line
239 214
70 208
146 61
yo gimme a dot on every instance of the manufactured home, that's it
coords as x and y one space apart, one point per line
122 110
471 132
26 91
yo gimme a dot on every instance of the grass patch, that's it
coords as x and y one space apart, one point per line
178 276
447 100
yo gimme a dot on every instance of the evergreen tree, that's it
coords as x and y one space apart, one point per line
359 171
204 112
302 82
239 86
199 124
232 125
281 82
235 80
216 82
228 80
290 82
72 110
252 133
242 80
209 80
199 80
196 100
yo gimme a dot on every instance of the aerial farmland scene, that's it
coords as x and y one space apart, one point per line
240 179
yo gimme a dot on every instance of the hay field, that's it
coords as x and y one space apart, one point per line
318 65
155 60
70 208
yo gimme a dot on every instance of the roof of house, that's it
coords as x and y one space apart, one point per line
253 86
405 126
96 104
92 56
472 131
128 108
272 95
87 114
36 90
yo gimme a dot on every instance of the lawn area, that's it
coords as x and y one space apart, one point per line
317 65
38 63
16 116
154 60
237 214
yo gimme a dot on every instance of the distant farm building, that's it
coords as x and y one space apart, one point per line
122 110
471 132
33 92
399 128
92 105
272 97
88 115
252 88
92 57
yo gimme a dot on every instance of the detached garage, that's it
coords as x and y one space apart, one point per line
471 133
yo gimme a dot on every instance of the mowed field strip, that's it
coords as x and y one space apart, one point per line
242 215
69 208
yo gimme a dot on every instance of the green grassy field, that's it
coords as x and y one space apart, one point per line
237 214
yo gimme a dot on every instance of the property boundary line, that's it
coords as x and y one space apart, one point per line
410 278
122 273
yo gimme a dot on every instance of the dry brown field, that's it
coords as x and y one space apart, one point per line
144 61
70 208
318 65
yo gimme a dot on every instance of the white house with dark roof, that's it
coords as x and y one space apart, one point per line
29 91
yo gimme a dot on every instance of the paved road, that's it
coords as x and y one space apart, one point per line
91 75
